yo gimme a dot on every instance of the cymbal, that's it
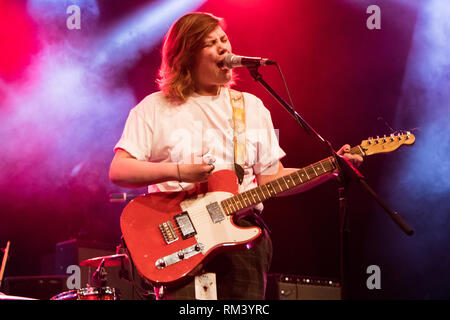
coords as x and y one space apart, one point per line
7 297
114 260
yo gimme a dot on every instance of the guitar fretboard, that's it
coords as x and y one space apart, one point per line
277 186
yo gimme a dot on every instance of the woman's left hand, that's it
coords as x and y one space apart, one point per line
355 159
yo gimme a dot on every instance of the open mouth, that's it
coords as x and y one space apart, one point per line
221 65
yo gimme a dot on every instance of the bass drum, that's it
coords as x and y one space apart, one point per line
90 293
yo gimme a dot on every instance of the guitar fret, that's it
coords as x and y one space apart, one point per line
231 206
318 169
321 163
311 171
266 190
261 195
298 174
315 172
240 200
287 187
304 170
278 182
249 198
361 151
331 163
295 177
225 207
246 199
288 177
250 194
272 189
235 206
303 174
269 188
255 191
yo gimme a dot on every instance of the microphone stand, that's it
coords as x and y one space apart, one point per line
98 278
346 173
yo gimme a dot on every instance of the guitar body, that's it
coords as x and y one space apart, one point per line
170 235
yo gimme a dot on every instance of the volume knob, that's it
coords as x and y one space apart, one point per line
160 263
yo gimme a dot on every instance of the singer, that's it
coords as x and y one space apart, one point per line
174 140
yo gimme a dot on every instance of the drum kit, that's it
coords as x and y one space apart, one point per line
98 291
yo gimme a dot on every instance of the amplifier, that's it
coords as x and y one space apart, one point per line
294 287
36 287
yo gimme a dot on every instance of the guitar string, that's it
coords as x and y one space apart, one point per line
202 218
200 213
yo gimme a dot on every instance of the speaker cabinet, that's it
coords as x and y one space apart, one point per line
292 287
36 287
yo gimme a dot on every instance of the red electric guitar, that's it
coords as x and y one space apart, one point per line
170 235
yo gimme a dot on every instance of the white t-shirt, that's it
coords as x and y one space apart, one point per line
158 131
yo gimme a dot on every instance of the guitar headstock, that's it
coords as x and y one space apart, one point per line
387 143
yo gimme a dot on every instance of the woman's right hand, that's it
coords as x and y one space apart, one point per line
196 168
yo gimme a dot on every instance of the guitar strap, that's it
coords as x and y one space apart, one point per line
237 102
238 105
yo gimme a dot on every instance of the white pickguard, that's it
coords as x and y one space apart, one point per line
212 234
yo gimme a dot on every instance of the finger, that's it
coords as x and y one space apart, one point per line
355 160
345 149
197 156
209 159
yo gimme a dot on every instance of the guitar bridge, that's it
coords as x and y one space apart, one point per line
168 232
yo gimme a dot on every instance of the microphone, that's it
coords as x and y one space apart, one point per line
232 61
122 197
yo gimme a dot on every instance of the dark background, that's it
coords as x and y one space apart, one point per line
342 77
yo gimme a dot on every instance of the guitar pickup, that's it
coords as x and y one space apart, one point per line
215 212
168 232
185 224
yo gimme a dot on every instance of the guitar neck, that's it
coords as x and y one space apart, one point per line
285 183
